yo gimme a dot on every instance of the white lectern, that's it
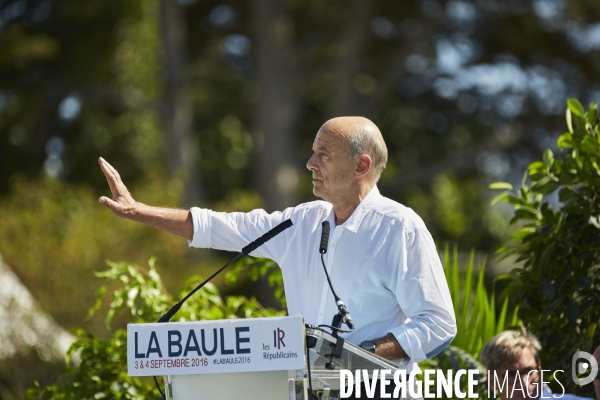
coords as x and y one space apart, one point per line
262 358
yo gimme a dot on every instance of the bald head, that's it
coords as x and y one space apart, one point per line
362 137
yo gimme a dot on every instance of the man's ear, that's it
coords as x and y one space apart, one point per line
363 166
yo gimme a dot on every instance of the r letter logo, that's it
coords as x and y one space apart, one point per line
278 336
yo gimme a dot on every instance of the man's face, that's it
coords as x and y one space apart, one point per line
332 172
522 374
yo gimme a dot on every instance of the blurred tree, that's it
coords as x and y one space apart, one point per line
452 88
176 106
57 236
277 106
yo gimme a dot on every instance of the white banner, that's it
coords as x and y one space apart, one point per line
206 347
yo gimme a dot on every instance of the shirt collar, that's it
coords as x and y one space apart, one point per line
353 223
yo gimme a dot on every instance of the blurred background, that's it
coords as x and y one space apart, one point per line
216 104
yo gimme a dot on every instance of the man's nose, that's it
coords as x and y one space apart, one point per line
310 164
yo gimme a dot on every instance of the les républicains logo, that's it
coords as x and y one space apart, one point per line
278 345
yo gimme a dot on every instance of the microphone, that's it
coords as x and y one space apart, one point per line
346 318
324 238
245 251
267 236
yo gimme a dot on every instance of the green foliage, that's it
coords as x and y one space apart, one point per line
21 49
477 318
558 286
475 309
258 268
143 295
102 372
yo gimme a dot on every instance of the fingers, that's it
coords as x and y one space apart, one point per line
109 203
117 187
111 177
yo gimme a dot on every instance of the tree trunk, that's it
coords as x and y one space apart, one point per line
355 40
276 175
274 132
176 109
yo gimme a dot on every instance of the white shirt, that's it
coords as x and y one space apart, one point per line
382 262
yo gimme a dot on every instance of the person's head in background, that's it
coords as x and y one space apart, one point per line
515 355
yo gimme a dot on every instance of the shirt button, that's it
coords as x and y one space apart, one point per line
321 314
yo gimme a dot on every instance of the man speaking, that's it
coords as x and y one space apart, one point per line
381 258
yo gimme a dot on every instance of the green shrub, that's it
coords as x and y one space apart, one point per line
102 372
477 318
558 287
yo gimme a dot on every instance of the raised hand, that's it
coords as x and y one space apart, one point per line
121 204
172 220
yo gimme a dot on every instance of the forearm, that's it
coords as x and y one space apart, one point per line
172 220
389 348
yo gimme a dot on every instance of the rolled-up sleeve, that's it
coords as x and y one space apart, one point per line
422 293
201 221
233 231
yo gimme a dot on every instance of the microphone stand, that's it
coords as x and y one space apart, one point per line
245 251
342 315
